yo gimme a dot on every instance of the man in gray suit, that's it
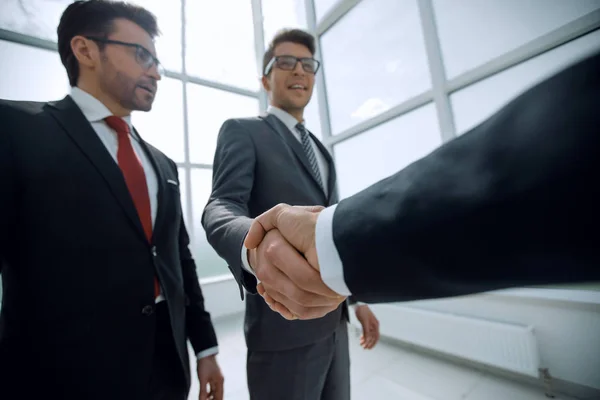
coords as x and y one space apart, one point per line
260 162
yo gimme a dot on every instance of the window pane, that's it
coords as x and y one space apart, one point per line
374 59
208 108
386 149
473 32
29 73
473 104
278 14
37 18
208 263
322 7
312 120
163 125
220 43
168 44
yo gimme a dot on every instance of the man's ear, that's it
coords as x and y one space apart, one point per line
265 83
83 51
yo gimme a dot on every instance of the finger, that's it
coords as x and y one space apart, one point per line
217 389
255 235
203 393
300 311
262 224
286 219
279 308
296 269
260 289
310 208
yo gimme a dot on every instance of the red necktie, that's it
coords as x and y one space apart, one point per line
135 178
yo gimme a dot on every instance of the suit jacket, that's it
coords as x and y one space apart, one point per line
259 163
510 203
77 317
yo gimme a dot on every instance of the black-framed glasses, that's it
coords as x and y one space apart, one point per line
288 63
143 57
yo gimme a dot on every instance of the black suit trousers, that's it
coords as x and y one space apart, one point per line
167 381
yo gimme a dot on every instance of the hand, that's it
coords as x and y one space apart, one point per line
370 326
288 286
296 224
295 288
209 374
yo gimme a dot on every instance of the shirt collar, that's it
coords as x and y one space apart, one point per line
285 117
92 108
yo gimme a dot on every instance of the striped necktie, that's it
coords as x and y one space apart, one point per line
310 154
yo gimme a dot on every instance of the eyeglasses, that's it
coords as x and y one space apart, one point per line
288 63
143 57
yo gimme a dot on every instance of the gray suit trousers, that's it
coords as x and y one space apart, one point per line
318 371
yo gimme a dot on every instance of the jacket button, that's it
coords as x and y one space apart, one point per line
147 310
153 250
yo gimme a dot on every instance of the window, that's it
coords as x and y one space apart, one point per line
475 103
37 18
373 60
168 44
278 14
163 125
208 108
30 73
473 32
208 263
386 149
220 42
322 7
312 119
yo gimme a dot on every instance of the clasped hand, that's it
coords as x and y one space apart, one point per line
282 253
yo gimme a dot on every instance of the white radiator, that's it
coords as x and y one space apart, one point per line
503 345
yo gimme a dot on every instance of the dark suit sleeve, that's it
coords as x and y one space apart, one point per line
511 203
200 329
226 217
7 177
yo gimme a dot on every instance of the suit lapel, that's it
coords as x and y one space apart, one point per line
288 137
72 120
161 179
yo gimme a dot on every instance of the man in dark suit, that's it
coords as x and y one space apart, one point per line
510 203
260 162
100 289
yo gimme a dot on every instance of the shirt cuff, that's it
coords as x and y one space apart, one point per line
208 352
245 263
330 263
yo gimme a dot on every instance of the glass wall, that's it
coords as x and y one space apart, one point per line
403 76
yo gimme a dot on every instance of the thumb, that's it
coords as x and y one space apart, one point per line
255 235
270 220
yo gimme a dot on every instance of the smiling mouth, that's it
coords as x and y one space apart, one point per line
297 87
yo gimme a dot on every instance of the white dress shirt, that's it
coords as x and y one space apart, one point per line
290 122
95 112
330 263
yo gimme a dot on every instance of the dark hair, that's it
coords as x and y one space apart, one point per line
297 36
96 17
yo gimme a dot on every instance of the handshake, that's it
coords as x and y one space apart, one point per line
282 252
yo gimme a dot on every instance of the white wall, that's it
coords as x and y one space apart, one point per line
221 296
566 323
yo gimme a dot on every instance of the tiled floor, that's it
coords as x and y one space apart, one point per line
387 372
